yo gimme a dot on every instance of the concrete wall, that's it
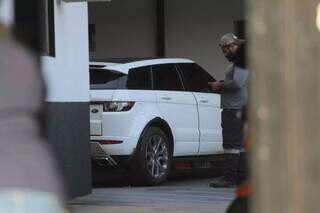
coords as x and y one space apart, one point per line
193 29
124 28
67 81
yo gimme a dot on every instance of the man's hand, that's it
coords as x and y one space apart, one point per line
214 86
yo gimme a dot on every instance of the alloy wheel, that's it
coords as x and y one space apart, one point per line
157 156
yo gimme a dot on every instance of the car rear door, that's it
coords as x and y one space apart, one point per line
196 80
178 108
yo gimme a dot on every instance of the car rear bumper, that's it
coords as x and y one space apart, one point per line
126 146
102 158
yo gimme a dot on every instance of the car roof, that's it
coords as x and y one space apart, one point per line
130 63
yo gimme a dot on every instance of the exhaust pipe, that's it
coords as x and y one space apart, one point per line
100 156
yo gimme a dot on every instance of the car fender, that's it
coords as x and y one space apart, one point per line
146 116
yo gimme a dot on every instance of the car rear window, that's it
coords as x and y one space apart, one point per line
107 79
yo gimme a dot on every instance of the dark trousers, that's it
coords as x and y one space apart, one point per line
239 205
232 131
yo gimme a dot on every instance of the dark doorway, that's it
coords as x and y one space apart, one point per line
239 28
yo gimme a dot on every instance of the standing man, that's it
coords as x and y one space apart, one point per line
234 96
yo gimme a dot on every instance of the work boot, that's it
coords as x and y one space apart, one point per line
221 183
230 172
242 168
231 167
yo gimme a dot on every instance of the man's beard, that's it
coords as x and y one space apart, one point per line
230 56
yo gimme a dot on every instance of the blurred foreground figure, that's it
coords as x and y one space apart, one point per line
29 181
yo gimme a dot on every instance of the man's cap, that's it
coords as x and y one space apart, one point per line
230 38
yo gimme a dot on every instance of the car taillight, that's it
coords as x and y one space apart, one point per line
117 106
110 142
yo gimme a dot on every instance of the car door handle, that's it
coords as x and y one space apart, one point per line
204 101
166 98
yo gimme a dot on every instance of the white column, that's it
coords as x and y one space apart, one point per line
7 12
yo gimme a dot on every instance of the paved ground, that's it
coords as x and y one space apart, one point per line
185 194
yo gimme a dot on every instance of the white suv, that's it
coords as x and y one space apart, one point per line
146 113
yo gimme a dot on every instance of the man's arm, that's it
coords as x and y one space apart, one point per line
239 79
229 86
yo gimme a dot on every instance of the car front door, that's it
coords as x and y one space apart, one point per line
196 80
178 108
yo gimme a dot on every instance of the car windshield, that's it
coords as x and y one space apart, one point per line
107 79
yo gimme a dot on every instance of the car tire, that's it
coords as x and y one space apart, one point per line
151 164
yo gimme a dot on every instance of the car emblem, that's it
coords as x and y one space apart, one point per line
94 110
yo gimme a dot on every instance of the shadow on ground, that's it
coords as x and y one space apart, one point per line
102 178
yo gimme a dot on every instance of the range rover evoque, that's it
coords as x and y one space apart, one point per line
146 113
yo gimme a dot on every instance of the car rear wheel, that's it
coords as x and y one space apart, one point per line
152 162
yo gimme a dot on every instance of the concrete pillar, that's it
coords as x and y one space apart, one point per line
284 59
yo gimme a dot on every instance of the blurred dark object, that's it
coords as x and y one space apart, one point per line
239 205
34 25
239 29
27 23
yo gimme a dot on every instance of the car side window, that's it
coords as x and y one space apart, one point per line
195 77
166 77
139 78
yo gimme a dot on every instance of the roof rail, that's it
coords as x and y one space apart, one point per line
122 60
